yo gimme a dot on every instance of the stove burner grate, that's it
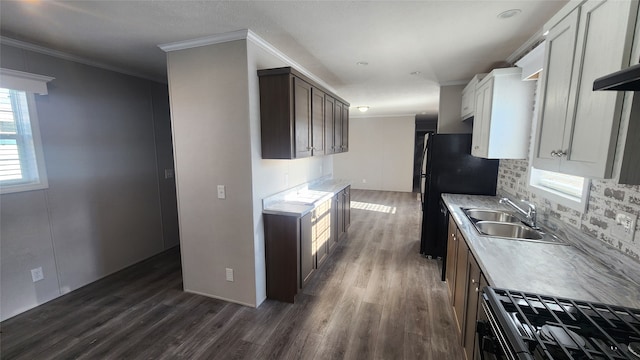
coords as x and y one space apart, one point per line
558 328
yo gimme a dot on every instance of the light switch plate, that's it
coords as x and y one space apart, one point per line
221 192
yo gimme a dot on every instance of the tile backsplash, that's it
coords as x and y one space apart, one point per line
606 199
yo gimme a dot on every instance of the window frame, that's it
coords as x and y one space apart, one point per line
564 199
30 84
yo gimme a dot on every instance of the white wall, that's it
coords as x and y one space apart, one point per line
380 153
102 209
215 107
210 119
449 121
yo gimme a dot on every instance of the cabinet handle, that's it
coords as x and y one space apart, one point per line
477 289
559 153
473 281
466 107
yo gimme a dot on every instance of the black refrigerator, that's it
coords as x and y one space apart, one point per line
449 167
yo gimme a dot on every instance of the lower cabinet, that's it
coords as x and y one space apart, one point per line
307 252
465 282
452 253
473 291
343 213
296 246
460 298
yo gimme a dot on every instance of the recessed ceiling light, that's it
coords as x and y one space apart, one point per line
362 63
414 73
363 108
509 13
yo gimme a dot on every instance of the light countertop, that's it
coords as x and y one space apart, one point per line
300 200
586 268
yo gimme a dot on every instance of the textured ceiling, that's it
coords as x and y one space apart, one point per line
446 41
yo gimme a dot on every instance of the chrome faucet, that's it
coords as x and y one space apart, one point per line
530 213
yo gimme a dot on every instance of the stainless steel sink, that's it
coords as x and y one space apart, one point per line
508 230
506 225
491 215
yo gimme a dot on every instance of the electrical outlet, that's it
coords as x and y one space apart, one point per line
168 173
37 274
624 227
364 181
229 274
221 192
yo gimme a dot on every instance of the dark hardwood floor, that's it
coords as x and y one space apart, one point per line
375 298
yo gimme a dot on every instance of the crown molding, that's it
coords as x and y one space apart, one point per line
525 48
244 34
205 40
455 83
70 57
412 115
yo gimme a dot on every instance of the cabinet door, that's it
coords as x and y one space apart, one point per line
473 292
317 121
604 44
477 125
307 256
468 100
337 131
452 253
558 67
329 119
340 220
486 114
322 231
347 207
582 124
460 295
345 128
302 117
333 226
482 119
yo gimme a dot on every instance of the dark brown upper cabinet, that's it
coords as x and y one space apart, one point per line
299 118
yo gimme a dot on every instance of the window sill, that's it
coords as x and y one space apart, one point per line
10 189
575 203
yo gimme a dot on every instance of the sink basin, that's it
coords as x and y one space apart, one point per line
508 230
491 215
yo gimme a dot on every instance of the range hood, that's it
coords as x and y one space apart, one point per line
623 80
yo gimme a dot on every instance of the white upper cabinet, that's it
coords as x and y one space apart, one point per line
577 127
503 111
469 97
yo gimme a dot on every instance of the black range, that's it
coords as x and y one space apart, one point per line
519 325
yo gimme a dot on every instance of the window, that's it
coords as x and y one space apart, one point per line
570 191
21 160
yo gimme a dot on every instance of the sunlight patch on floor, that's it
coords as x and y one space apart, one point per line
373 207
